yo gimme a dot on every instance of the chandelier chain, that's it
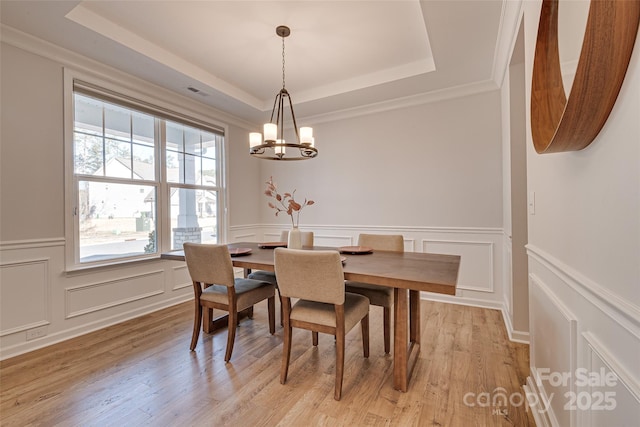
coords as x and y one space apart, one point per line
282 62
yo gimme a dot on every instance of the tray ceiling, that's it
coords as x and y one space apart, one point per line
340 54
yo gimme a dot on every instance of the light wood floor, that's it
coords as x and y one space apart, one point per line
142 373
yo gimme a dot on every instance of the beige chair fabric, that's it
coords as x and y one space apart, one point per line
305 236
382 242
380 296
311 275
270 276
317 279
215 286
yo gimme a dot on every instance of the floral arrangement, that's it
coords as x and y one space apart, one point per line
285 202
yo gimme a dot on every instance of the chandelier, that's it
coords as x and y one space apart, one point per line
271 144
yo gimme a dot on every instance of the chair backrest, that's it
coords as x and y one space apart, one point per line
210 264
305 236
382 242
310 275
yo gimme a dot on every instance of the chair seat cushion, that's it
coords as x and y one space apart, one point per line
264 276
355 308
248 292
378 295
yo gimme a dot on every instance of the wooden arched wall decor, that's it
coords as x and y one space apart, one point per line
560 124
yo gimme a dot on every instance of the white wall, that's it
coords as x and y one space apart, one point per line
584 259
32 158
244 174
437 164
36 294
431 172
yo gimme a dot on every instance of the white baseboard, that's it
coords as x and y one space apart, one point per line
540 414
515 336
25 347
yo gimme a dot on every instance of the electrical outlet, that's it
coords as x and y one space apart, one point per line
38 332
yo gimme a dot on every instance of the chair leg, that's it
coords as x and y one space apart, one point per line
231 333
197 323
286 345
364 323
271 302
387 329
250 313
339 363
281 310
314 338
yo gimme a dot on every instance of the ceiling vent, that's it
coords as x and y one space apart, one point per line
198 91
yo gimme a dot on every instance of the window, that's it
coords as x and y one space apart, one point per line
192 175
144 179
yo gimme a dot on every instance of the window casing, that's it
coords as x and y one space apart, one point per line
141 178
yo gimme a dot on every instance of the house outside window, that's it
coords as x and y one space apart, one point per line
143 179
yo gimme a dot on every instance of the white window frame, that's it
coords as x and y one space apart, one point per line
182 111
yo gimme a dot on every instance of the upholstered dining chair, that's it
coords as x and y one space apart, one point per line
381 296
317 280
270 276
215 286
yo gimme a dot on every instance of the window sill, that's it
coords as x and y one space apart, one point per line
77 270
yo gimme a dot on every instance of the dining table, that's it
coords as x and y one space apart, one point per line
408 273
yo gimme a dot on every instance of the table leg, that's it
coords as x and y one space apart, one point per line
400 339
406 336
414 316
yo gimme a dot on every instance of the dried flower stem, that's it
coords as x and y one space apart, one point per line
285 202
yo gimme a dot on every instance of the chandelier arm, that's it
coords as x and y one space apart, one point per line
280 119
293 118
273 110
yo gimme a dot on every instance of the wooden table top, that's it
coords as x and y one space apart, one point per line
409 270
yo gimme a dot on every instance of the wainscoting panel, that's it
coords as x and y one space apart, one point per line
565 306
610 393
319 239
328 239
507 297
98 296
476 263
243 237
24 295
508 278
180 278
76 303
557 355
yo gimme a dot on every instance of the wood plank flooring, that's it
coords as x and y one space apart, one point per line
142 373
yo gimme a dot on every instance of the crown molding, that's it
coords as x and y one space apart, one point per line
67 58
404 102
